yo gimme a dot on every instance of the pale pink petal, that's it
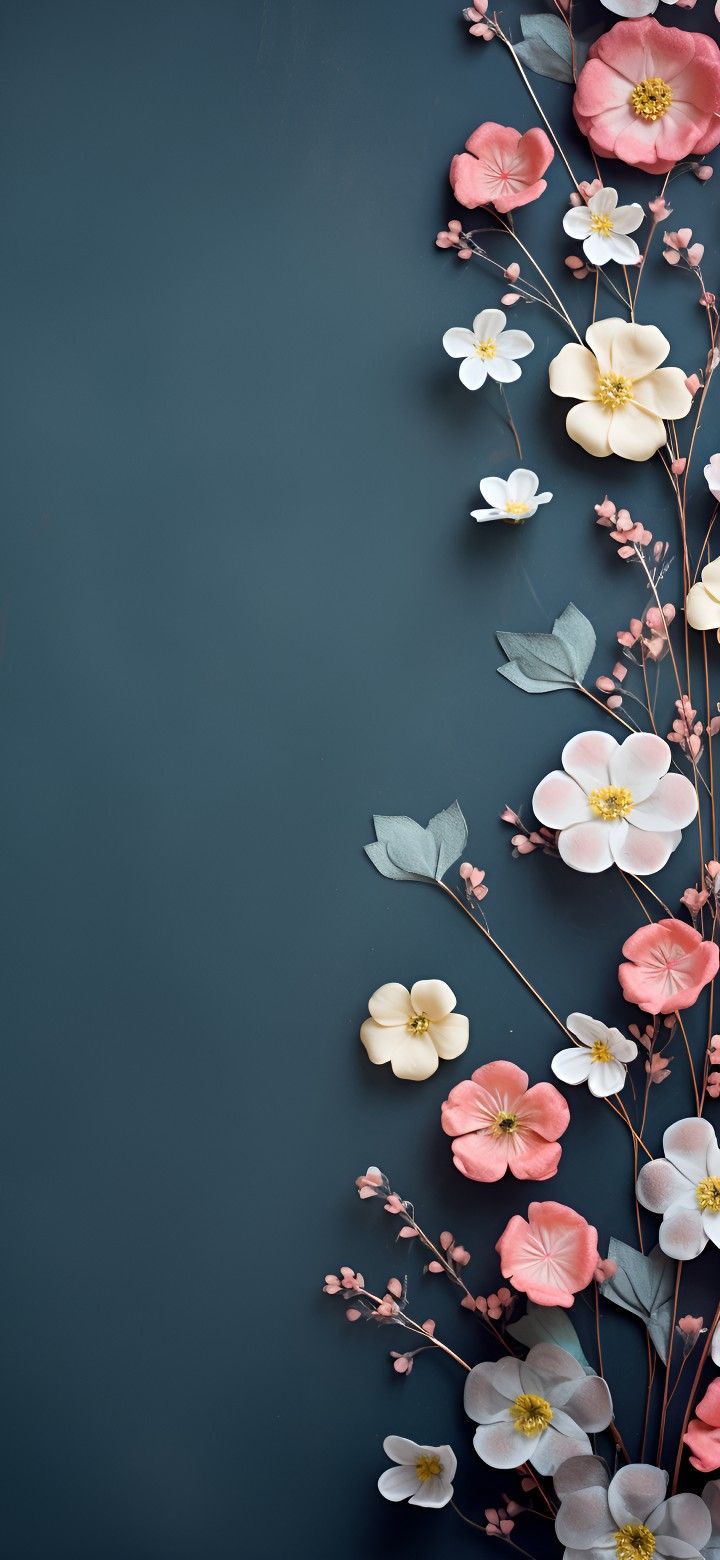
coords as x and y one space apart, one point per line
587 757
640 852
659 1185
587 846
639 763
687 1144
558 801
672 806
681 1233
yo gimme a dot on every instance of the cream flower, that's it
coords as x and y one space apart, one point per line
423 1475
703 600
414 1030
623 392
515 500
600 1060
604 227
685 1188
488 349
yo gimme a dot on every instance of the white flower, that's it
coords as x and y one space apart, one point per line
536 1410
604 226
423 1476
601 1059
628 1515
711 473
715 1357
622 391
685 1188
635 8
515 500
487 349
615 802
702 606
412 1030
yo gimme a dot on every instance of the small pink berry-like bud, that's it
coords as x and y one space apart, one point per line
605 1269
512 271
713 869
468 1303
574 263
351 1315
659 208
614 702
395 1288
668 612
703 173
464 254
654 619
523 846
619 672
509 299
677 467
575 199
605 684
446 1240
691 1327
445 241
435 1267
672 256
713 1085
683 236
695 254
635 627
454 226
466 870
508 816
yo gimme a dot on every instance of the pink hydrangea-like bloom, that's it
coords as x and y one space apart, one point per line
668 966
703 1432
549 1256
615 802
498 1124
650 95
501 168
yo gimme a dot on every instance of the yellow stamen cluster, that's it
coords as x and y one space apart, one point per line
634 1541
530 1414
600 1051
485 349
613 391
707 1194
428 1468
516 509
504 1124
651 98
600 223
611 802
418 1024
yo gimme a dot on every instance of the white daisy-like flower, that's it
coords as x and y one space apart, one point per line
685 1188
628 1516
423 1475
488 349
600 1060
414 1030
615 802
702 606
514 500
536 1410
622 392
604 228
635 8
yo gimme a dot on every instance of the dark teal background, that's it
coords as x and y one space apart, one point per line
243 604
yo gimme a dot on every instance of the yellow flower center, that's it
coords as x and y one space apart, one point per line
601 224
651 98
613 391
485 349
707 1194
418 1024
428 1468
516 509
634 1541
611 802
504 1124
600 1051
530 1414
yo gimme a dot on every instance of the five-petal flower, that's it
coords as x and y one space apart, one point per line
514 500
685 1188
668 966
501 167
488 349
536 1410
549 1256
423 1475
600 1060
622 392
702 605
703 1432
627 1516
497 1124
604 228
414 1030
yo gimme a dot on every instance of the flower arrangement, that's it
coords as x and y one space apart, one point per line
625 797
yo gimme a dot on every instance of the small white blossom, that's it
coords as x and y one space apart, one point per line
488 349
600 1060
515 500
423 1476
603 227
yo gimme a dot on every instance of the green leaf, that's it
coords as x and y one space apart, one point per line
409 853
549 1324
546 49
578 636
542 663
643 1285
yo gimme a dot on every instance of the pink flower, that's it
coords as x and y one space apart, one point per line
650 95
691 1327
550 1255
501 167
703 1433
498 1124
605 1269
668 966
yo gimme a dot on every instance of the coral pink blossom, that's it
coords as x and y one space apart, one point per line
501 168
703 1433
497 1124
650 95
550 1255
668 966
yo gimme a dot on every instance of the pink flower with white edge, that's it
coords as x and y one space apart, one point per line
650 95
487 349
668 966
684 1187
600 1060
498 1124
615 803
703 1432
501 168
549 1256
537 1410
423 1476
414 1030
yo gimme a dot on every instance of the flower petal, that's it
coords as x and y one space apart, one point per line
483 1401
522 485
572 1065
702 610
473 372
488 325
434 998
639 762
681 1233
562 1439
659 1185
559 801
586 1029
636 349
643 853
450 1036
635 434
581 1473
590 1403
606 1078
587 757
459 343
400 1450
380 1040
503 370
635 1492
390 1004
584 1518
414 1056
578 222
627 218
514 344
687 1144
664 392
433 1492
574 373
495 492
685 1517
671 806
500 1445
398 1483
587 846
588 424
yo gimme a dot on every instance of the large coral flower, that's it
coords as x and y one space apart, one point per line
703 1433
622 391
615 802
501 168
550 1255
650 95
497 1124
668 966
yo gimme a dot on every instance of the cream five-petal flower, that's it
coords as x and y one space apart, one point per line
622 391
488 349
685 1188
600 1060
514 500
703 599
414 1030
603 227
615 802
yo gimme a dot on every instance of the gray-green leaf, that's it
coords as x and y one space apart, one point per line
409 853
542 663
546 49
643 1285
549 1324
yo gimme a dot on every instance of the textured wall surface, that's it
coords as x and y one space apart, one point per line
243 606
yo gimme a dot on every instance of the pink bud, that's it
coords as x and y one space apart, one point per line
466 870
445 241
464 254
672 256
394 1287
523 846
509 299
683 237
407 1232
695 254
619 672
703 173
678 466
512 272
402 1365
435 1267
605 684
614 702
428 1327
446 1240
508 816
573 263
454 226
468 1303
654 618
351 1315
